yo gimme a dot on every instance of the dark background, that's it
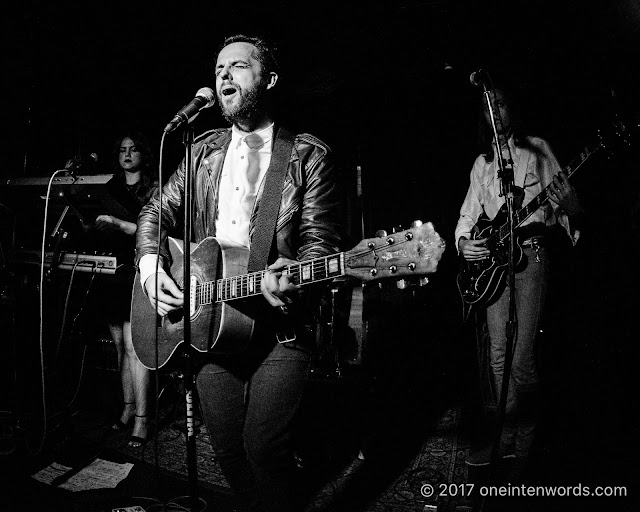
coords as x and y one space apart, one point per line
386 85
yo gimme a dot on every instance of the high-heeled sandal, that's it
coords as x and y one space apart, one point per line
137 441
118 425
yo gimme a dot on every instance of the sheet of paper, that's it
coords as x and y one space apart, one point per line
100 474
52 471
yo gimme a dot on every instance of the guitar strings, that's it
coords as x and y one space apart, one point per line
204 292
523 214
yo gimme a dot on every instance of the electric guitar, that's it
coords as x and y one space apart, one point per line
219 290
479 283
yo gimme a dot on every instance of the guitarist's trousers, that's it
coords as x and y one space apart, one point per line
521 408
248 405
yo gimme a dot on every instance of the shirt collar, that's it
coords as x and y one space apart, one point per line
510 141
237 136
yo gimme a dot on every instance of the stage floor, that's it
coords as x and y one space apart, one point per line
356 452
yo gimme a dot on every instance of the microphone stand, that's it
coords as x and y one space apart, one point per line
505 174
189 377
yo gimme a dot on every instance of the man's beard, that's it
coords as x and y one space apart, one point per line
251 102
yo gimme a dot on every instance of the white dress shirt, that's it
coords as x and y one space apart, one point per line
235 197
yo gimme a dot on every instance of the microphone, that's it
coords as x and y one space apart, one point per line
477 78
205 98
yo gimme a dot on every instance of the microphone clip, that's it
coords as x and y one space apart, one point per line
480 78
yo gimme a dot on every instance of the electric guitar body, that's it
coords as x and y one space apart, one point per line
479 283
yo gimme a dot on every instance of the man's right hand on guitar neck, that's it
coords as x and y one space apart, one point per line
170 297
473 250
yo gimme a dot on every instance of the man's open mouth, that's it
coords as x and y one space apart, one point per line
228 90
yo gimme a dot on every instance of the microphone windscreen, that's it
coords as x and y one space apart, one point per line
208 94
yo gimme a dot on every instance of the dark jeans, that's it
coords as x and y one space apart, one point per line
248 405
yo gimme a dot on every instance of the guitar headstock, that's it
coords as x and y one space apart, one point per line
615 137
413 252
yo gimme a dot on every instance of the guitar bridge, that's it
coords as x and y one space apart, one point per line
286 336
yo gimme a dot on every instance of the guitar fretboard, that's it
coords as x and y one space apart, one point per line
526 211
238 287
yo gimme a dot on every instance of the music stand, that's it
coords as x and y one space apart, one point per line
85 196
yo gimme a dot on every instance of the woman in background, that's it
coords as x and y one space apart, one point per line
133 184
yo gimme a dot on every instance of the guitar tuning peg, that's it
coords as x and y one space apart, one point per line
381 233
416 223
401 284
423 281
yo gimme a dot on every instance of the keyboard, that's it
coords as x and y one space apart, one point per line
95 263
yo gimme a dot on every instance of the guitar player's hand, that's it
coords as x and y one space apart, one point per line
562 193
276 286
473 250
170 297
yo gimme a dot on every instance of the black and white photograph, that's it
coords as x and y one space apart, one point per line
320 256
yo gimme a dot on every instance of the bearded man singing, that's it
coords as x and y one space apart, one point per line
249 396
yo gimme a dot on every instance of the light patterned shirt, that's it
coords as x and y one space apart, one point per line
534 167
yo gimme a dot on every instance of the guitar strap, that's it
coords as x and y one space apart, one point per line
269 205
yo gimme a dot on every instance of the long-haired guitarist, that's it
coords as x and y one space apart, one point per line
249 399
485 263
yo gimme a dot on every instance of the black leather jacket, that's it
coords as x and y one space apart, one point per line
311 218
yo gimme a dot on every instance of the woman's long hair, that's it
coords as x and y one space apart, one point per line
485 132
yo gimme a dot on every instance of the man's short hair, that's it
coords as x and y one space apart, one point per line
267 52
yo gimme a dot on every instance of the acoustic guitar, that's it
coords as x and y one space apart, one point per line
219 289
